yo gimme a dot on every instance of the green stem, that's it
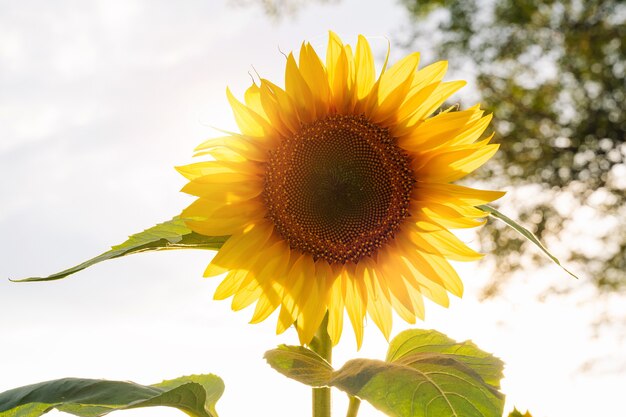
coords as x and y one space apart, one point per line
322 345
353 408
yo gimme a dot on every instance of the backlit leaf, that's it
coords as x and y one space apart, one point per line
301 364
417 345
172 234
195 395
530 236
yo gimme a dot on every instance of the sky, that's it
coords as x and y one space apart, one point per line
99 100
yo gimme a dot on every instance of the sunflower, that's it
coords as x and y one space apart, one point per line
337 194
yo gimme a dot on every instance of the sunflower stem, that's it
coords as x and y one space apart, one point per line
353 407
322 345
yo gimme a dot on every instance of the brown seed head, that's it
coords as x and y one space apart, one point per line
338 189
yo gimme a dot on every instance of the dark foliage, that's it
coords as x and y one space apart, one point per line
277 9
553 74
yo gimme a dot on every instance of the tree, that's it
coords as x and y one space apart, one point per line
277 9
553 74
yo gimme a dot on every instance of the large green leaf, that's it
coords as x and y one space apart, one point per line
172 234
423 389
426 374
530 236
196 395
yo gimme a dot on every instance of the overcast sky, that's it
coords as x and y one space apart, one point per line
98 101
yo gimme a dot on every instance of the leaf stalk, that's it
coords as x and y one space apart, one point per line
353 407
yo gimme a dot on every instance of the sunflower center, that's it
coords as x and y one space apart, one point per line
338 189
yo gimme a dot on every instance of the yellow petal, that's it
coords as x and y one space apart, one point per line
398 291
250 289
207 218
229 285
392 90
229 177
280 108
473 132
356 302
454 207
434 100
365 69
259 276
442 242
222 193
410 261
337 69
436 131
250 123
314 74
272 278
397 76
236 143
402 254
222 153
406 123
458 193
252 97
455 163
425 83
428 75
335 309
378 306
285 319
246 295
313 311
299 91
295 283
235 253
448 217
435 268
200 169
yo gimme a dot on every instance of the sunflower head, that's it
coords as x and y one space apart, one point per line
338 192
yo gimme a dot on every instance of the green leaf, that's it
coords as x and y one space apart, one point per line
525 233
428 345
301 364
423 389
426 374
195 395
517 413
172 234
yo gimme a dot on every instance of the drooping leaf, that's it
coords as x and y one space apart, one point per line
426 375
525 233
301 364
196 395
172 234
